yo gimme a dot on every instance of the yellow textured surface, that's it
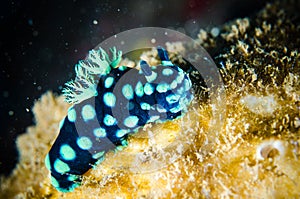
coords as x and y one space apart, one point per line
255 156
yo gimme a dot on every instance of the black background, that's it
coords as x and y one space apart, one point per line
42 40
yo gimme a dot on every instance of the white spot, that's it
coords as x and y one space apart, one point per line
153 40
84 143
61 167
98 155
121 132
72 115
88 112
166 63
152 77
148 89
187 84
172 98
67 152
180 90
173 85
179 78
127 91
54 182
124 143
260 104
100 132
109 120
108 82
167 72
131 121
109 99
162 88
72 178
145 106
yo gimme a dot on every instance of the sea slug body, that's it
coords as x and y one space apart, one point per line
109 103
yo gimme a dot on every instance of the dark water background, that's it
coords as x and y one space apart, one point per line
42 40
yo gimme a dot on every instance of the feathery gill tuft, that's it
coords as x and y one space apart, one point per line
88 71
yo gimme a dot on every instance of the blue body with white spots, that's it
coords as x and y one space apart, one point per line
111 102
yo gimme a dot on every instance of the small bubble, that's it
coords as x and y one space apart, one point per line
95 22
27 110
215 31
30 22
122 42
10 113
39 88
118 9
5 94
153 40
35 33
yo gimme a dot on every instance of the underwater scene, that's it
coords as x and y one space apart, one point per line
150 99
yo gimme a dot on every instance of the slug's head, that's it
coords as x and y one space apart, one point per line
171 85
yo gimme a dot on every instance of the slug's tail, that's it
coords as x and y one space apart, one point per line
65 183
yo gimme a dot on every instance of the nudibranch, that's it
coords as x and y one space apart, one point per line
109 103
